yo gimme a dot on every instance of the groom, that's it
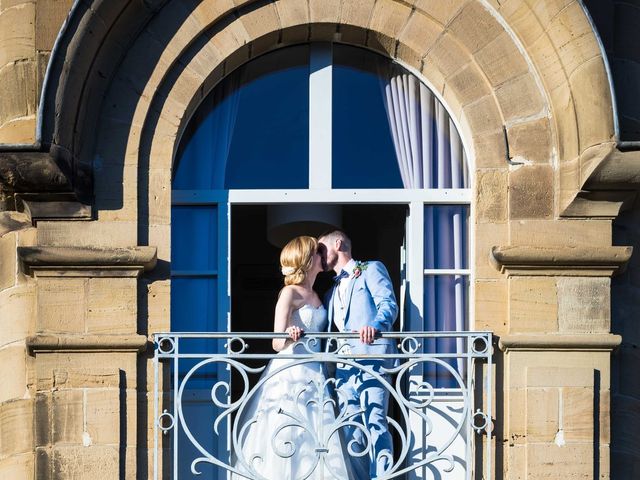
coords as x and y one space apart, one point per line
362 300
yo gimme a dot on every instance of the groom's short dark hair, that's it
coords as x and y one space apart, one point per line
337 234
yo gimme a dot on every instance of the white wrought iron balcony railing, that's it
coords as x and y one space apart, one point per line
206 386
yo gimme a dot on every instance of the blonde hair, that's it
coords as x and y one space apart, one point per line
296 259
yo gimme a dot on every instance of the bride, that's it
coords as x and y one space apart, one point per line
286 429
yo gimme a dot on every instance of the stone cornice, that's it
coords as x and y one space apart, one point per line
608 181
43 343
560 342
44 185
560 261
88 261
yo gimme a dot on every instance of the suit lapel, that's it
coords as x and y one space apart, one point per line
348 299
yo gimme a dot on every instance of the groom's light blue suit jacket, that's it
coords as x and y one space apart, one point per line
369 301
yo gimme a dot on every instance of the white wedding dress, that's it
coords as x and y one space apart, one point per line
286 430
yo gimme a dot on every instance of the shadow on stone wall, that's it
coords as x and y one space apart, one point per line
617 23
625 388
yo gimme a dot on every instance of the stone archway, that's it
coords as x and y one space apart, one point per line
519 79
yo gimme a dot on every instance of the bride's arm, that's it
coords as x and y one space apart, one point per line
284 308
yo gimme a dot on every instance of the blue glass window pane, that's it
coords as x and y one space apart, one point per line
252 131
194 304
194 238
446 236
363 154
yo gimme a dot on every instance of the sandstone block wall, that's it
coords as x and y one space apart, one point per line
28 29
76 391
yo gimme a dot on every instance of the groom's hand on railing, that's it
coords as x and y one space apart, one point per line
368 334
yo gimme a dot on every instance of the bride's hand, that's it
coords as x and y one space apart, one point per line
294 332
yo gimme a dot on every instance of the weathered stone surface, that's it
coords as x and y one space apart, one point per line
516 415
475 26
542 414
17 33
500 60
18 131
103 417
491 200
111 305
567 233
357 13
13 375
486 236
491 302
543 460
324 10
49 18
564 113
86 234
42 419
578 414
61 305
419 34
86 462
584 305
442 11
468 84
159 300
17 466
447 55
68 416
533 305
91 362
389 17
19 79
260 20
531 192
483 116
522 20
17 313
61 257
16 427
292 12
159 194
592 98
573 37
560 376
490 150
9 263
520 98
531 141
12 221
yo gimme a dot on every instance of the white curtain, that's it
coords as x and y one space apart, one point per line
431 155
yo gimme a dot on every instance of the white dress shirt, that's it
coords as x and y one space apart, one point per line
340 296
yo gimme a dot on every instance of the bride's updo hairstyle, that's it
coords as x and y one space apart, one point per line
296 259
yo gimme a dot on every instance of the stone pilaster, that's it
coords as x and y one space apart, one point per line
557 360
83 353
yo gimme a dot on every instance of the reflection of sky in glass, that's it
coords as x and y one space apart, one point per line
363 152
252 131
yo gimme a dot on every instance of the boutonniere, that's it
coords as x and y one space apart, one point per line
359 268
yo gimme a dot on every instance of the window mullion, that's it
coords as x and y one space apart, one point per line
320 105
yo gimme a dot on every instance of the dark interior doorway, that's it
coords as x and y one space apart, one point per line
377 233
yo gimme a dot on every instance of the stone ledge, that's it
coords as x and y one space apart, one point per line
86 343
559 342
560 261
88 261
